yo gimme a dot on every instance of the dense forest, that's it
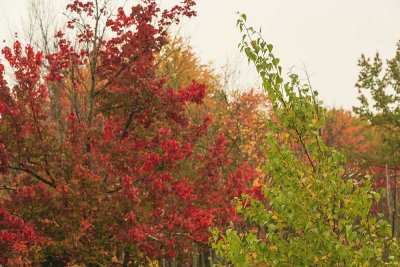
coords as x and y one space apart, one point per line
118 147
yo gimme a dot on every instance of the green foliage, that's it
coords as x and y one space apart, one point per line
379 96
312 214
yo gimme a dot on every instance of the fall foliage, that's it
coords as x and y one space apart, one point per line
119 147
100 151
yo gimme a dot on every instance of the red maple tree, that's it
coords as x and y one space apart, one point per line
98 155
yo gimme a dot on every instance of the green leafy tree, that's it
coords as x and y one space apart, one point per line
313 214
379 95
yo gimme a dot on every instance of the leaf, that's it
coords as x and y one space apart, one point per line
250 54
273 248
376 196
275 61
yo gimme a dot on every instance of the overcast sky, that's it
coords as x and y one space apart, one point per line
327 37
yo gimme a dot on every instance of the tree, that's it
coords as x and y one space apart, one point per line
345 132
354 137
178 63
379 96
362 144
118 168
314 214
238 114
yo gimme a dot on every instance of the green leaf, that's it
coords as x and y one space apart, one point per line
275 61
376 196
250 54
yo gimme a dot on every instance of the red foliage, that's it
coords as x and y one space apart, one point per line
102 155
17 239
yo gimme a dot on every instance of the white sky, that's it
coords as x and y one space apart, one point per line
327 37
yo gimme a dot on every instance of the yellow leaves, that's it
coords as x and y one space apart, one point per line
248 149
314 120
153 263
254 230
319 259
277 219
114 259
259 180
273 248
346 201
256 183
307 181
286 135
253 255
245 130
372 228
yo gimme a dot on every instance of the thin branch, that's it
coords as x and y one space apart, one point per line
7 187
35 175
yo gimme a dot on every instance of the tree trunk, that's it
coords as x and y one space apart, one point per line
126 259
211 257
389 206
395 207
203 260
194 257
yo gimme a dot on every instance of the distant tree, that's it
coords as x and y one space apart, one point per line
379 95
353 136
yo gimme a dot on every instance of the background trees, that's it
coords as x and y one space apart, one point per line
379 94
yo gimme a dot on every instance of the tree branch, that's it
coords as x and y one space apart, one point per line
35 175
